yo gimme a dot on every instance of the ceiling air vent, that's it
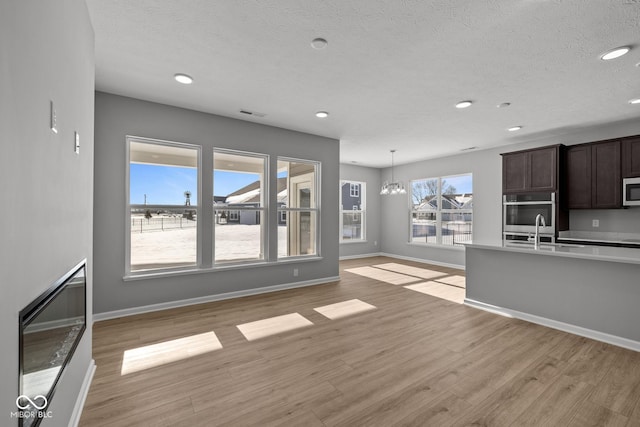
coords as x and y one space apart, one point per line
252 113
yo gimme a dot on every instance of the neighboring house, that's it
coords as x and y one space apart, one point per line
351 196
429 206
247 197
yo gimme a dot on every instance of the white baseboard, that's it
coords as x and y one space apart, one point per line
422 260
342 258
566 327
82 397
209 298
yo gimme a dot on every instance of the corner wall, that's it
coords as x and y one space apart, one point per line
46 53
116 117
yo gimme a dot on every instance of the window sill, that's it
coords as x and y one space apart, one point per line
351 242
437 246
223 267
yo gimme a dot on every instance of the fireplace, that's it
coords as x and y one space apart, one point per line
50 329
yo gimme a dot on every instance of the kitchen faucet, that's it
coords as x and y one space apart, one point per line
539 219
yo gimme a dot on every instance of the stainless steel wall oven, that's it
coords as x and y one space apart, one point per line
519 213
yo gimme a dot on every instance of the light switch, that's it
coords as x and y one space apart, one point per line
77 143
54 119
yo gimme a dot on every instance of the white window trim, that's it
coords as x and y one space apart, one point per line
199 240
438 212
264 209
362 190
317 190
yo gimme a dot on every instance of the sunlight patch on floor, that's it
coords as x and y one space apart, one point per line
153 355
459 281
382 275
423 273
344 309
272 326
438 290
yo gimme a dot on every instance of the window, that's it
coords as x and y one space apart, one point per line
298 207
163 205
239 186
352 211
165 201
354 190
442 210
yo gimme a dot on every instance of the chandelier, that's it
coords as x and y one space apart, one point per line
392 187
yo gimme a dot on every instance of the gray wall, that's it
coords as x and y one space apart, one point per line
611 220
117 117
46 53
372 177
486 167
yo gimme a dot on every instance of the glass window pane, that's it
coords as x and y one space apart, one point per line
297 193
239 198
238 235
297 237
163 198
423 227
442 210
291 176
352 199
352 225
424 194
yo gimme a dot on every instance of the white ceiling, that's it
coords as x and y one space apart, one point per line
392 70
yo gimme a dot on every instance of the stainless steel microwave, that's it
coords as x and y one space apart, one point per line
631 192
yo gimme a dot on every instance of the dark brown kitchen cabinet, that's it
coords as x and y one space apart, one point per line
530 170
631 157
593 175
578 174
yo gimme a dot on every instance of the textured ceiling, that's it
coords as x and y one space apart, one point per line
392 70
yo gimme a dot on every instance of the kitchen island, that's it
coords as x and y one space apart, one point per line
593 291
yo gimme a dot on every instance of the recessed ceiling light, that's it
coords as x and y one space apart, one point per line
183 78
634 101
503 105
318 43
514 128
464 104
615 53
322 114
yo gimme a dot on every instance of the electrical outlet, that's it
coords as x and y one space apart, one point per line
295 272
54 119
375 243
595 223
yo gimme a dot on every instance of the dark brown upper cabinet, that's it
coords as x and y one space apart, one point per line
631 157
593 175
531 170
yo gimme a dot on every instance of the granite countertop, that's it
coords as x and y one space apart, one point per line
601 253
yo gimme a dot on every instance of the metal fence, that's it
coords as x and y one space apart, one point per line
453 233
162 223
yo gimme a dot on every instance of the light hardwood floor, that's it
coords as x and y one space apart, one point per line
413 360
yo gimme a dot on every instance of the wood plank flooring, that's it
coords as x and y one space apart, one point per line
413 359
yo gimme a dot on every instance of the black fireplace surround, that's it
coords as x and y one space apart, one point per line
50 329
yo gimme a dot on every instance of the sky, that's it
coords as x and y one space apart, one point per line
462 183
165 185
